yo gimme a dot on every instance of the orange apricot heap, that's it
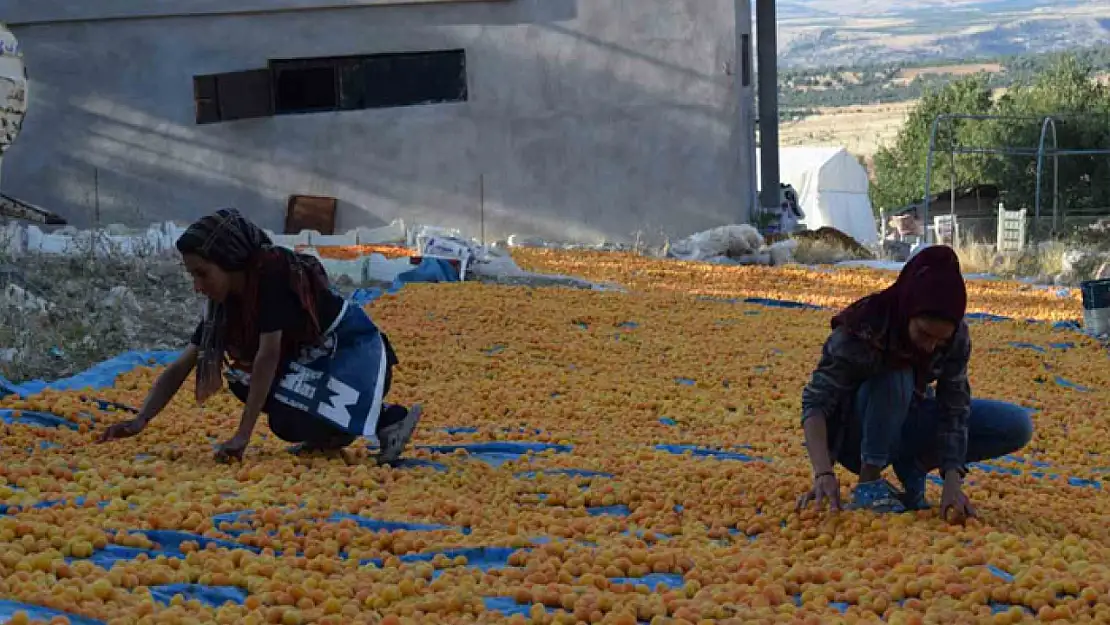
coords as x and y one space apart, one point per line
353 252
638 535
819 286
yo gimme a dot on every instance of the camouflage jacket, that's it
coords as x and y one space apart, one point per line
847 361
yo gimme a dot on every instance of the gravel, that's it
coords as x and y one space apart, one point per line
60 315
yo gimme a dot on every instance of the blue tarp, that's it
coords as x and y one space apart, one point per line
37 419
508 606
429 270
167 543
670 580
1000 574
8 609
481 558
498 453
566 472
1064 382
107 557
102 375
460 430
170 540
379 525
213 596
618 510
707 453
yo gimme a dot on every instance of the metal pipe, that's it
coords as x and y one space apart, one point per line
952 184
744 123
929 174
1037 187
767 52
1033 151
1047 123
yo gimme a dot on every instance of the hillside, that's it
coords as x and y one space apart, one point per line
814 32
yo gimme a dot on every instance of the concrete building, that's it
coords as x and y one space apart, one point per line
577 119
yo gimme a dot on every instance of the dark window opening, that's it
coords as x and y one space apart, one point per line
305 87
393 80
745 60
232 96
335 84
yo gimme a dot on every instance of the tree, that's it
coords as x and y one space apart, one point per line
900 169
1067 92
1064 90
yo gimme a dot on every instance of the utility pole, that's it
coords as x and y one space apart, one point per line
767 44
744 129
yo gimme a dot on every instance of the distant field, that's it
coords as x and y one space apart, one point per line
906 76
861 129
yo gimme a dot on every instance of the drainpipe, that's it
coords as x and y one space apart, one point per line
767 46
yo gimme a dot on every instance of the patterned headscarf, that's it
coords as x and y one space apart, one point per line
235 244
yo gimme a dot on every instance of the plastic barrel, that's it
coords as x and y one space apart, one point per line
1096 306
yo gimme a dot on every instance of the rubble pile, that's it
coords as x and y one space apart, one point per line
61 314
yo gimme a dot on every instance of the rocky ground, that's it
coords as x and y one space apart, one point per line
60 315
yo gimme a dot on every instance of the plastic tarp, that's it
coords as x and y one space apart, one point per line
378 525
832 190
429 270
8 609
497 454
213 596
102 375
699 452
37 419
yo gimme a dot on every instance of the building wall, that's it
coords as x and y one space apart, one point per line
586 118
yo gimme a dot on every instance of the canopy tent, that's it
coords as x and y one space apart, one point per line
832 190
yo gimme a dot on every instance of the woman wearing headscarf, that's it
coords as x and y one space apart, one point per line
288 344
891 389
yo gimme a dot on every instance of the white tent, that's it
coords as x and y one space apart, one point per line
832 190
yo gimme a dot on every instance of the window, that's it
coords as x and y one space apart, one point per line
408 79
745 60
305 86
349 83
232 96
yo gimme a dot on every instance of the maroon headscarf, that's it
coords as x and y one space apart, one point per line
931 284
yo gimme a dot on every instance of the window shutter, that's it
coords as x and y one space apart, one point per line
205 97
245 95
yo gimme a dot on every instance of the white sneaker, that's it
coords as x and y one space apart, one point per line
394 438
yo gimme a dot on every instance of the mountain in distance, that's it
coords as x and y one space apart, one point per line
819 33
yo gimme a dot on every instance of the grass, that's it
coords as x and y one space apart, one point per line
1043 260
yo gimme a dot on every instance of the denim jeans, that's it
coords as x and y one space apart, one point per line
890 427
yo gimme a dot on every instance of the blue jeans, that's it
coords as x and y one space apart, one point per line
890 428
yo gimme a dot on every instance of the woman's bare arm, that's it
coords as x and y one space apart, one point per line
168 383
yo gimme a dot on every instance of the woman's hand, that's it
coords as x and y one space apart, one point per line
232 449
955 507
825 488
124 429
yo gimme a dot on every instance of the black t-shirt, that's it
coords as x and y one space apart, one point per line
279 308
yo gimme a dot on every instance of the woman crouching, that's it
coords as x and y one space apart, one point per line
871 403
288 344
